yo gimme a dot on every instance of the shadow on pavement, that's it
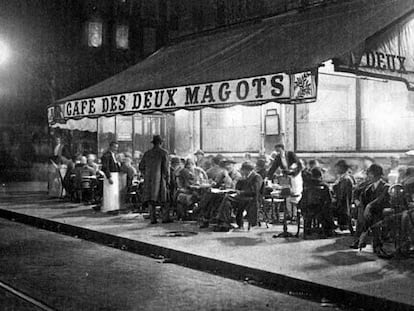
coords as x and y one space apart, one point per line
240 241
82 213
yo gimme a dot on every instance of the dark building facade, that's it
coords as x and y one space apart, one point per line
60 47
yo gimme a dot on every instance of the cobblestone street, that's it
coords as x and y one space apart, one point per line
72 274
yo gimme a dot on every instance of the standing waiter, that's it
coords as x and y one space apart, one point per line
111 168
155 168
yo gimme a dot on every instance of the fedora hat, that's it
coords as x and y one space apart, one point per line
156 139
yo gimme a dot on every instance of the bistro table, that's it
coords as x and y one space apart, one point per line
282 195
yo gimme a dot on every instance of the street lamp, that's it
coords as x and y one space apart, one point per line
4 52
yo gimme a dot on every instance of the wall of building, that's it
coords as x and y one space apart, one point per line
187 132
387 116
233 131
356 114
329 123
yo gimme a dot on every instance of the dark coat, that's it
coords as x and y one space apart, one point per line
378 198
316 196
343 190
250 189
251 186
109 165
155 167
291 158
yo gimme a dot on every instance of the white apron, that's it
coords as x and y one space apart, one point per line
56 173
114 195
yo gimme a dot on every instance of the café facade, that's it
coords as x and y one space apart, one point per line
330 81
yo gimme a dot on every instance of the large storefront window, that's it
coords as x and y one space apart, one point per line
134 133
234 129
124 133
387 116
329 123
147 126
106 133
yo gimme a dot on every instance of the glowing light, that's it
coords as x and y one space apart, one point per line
4 53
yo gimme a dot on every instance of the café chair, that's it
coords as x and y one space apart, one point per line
132 195
311 208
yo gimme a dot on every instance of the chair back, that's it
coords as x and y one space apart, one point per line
314 195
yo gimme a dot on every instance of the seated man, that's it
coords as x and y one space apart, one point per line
175 167
83 185
215 168
407 217
374 199
130 171
220 178
247 198
316 203
228 165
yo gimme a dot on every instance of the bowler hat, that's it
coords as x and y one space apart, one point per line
227 161
316 173
156 139
230 160
342 164
261 163
199 152
248 166
376 170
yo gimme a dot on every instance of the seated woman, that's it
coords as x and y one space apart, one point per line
316 203
189 176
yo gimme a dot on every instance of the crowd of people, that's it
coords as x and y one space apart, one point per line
218 191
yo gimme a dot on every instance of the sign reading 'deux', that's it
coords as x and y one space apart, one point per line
277 87
389 55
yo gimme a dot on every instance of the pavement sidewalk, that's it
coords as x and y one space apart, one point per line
318 267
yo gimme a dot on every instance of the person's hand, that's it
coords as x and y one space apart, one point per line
367 211
110 180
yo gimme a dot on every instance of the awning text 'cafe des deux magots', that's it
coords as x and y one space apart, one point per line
272 60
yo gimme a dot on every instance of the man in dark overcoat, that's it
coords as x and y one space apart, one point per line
155 169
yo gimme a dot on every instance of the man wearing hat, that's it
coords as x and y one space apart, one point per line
155 169
375 198
215 168
342 189
247 198
228 165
